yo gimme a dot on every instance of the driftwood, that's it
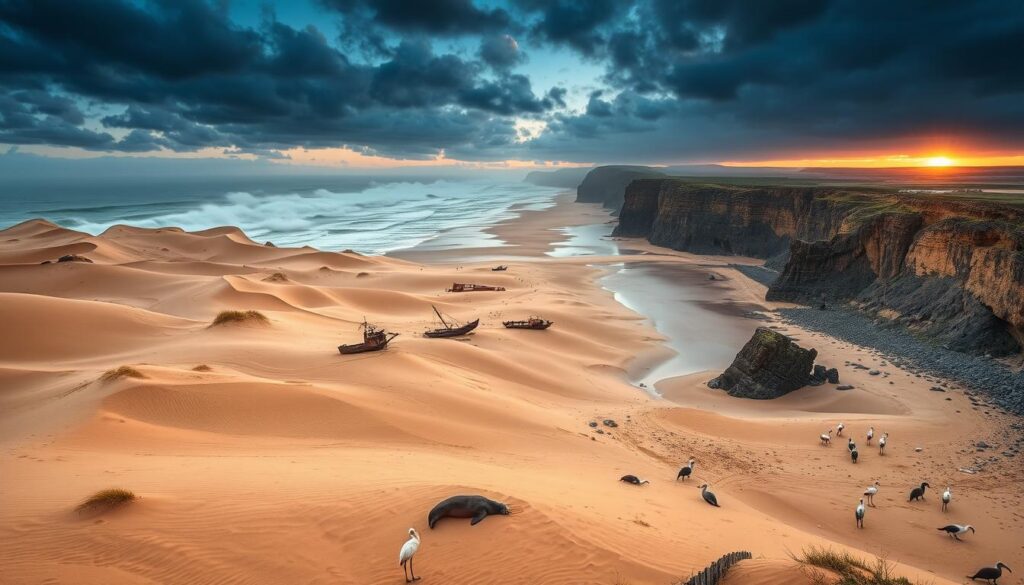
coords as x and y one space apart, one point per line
714 572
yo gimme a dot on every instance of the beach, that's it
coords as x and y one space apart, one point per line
261 455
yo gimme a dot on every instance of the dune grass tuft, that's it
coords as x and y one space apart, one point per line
851 570
225 317
105 500
122 372
202 368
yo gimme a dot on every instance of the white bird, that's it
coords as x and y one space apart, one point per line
955 530
870 493
826 438
871 434
881 443
405 556
839 429
946 497
860 514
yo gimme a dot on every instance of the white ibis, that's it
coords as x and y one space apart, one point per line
686 471
405 555
990 573
955 530
881 443
826 438
860 514
839 429
946 497
918 492
709 496
870 493
871 434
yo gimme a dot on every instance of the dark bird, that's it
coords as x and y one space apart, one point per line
851 445
990 573
955 530
633 480
709 496
918 492
686 471
859 513
854 455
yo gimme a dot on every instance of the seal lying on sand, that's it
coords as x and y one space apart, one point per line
475 507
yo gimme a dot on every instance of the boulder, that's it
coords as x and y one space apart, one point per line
818 375
73 258
769 365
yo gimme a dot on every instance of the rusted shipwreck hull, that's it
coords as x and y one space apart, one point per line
450 330
531 323
467 287
374 339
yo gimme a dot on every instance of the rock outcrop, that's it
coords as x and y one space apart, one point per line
769 365
948 267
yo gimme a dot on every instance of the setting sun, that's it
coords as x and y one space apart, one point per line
938 161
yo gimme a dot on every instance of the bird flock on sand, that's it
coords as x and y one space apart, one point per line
917 493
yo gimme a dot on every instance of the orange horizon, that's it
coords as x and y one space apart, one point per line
937 161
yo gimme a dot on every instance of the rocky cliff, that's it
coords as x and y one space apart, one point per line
948 267
607 185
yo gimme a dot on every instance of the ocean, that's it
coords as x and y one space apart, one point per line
367 214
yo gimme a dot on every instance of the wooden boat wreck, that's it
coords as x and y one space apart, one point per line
374 339
449 329
466 287
501 268
531 323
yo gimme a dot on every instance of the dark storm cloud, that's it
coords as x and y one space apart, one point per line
739 78
443 17
186 77
501 52
577 24
682 78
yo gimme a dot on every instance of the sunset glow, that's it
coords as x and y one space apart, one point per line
889 161
939 161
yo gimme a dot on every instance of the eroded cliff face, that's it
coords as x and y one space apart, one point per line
607 185
712 219
952 270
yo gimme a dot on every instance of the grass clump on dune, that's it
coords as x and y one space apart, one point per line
202 368
122 372
850 570
105 500
225 317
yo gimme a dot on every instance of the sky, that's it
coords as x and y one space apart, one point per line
516 83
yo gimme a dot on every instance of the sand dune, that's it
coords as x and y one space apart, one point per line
281 461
